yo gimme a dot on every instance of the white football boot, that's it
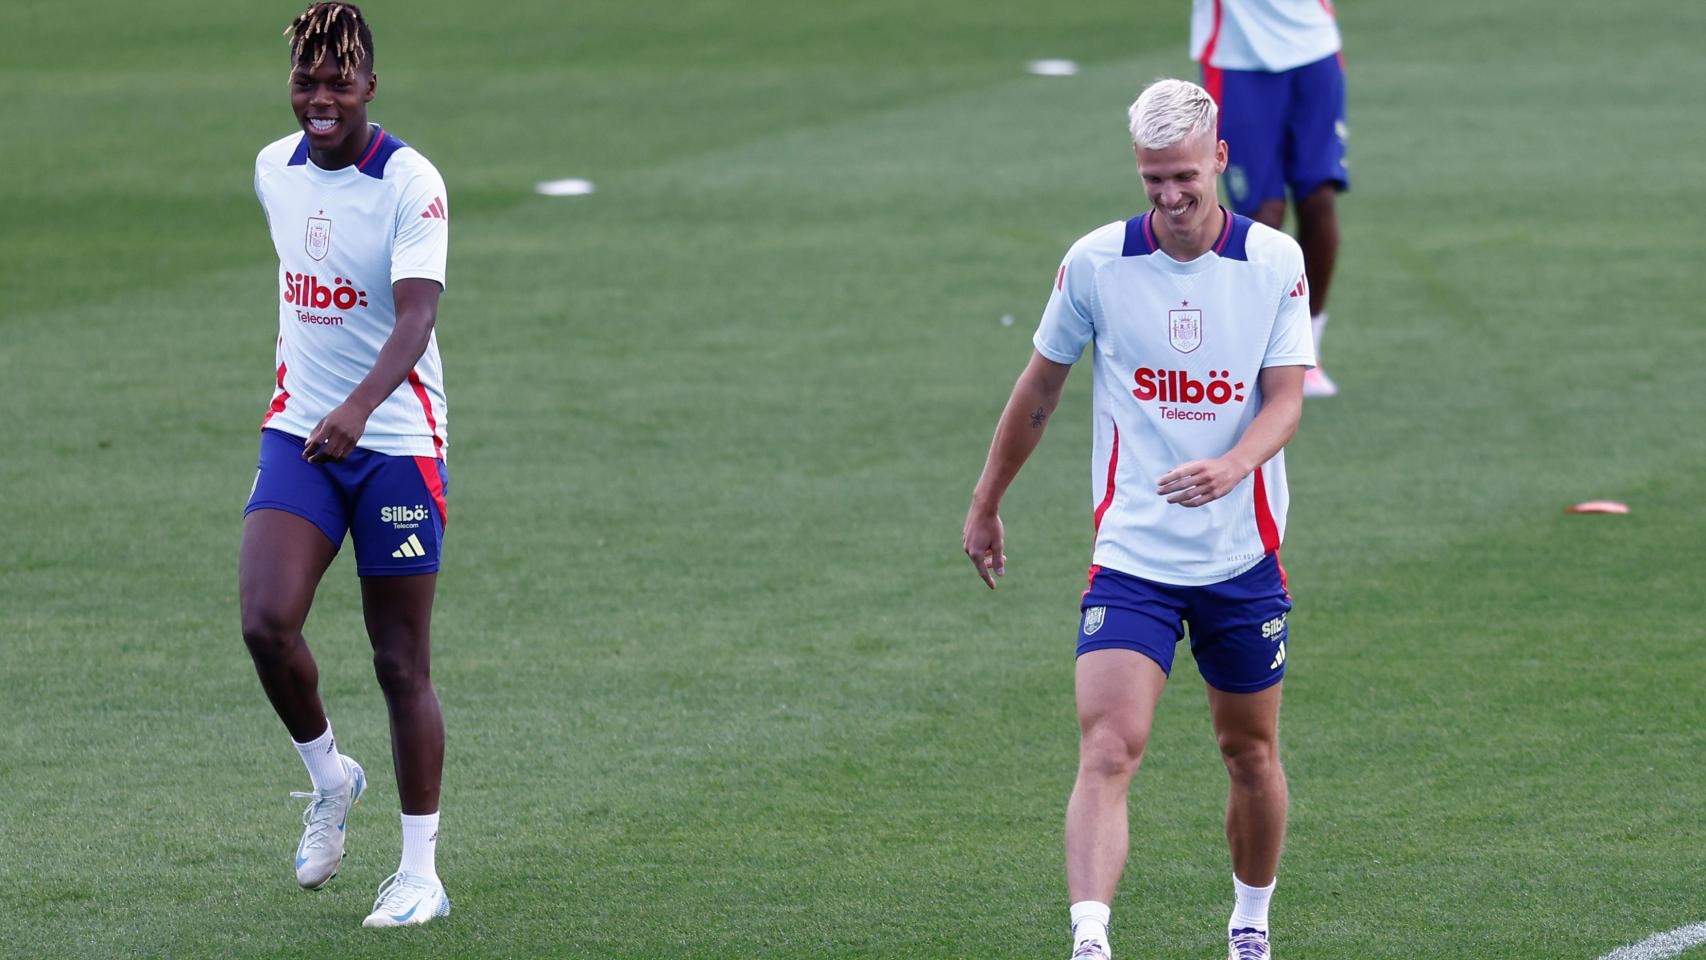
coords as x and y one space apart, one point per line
1091 950
322 846
1247 943
1316 383
406 899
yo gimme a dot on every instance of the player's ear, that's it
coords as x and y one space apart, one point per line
372 87
1220 156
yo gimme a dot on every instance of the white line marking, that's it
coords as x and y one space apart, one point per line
1661 945
1052 68
572 187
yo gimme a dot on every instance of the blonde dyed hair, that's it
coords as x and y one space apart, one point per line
1170 111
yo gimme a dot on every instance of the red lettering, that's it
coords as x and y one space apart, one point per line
1190 391
1145 378
306 290
1178 386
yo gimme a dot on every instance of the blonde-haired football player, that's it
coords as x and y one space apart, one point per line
1199 323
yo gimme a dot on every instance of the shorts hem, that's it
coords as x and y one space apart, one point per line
361 571
1310 186
295 511
1255 687
1083 648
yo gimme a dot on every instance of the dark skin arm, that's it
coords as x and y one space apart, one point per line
417 310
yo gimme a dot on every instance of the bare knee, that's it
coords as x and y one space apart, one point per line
1252 762
272 634
401 673
1111 750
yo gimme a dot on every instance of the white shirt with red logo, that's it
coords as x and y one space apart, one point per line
1271 35
1178 349
343 237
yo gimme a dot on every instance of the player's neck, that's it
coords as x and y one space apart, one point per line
347 153
1185 248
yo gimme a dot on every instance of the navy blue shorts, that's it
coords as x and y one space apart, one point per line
1281 130
1237 626
392 506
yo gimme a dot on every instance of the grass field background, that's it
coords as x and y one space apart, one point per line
717 679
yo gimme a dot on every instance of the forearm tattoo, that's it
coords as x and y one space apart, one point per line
1037 417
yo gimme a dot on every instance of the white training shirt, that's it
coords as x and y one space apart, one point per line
1178 348
343 237
1270 35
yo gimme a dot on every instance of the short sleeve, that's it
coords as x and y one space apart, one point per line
1291 343
422 242
1067 324
260 195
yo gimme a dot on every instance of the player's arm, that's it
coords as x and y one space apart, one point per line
1204 481
1032 402
334 437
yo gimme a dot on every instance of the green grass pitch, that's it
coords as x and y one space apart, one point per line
718 682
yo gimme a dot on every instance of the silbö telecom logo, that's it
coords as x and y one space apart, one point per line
1177 386
307 290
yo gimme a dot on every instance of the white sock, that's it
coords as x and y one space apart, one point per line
420 845
1318 326
1250 909
320 755
1089 922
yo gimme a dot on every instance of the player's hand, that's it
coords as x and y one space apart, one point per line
983 544
1200 481
334 437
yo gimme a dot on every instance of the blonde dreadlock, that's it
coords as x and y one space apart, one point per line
337 27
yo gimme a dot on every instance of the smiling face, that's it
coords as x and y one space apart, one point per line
1180 181
332 109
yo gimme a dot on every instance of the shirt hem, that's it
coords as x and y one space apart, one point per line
420 275
1173 578
1049 353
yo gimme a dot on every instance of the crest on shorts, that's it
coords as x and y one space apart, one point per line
1184 329
1236 183
318 240
1093 618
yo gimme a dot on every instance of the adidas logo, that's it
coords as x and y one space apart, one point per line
411 548
1297 291
436 211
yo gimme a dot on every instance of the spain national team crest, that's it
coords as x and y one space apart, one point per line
1093 618
1184 329
318 240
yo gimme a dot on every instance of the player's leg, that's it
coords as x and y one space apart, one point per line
1126 639
1318 235
1316 171
1269 212
279 566
1238 633
1246 725
291 530
1117 690
398 611
399 532
1253 125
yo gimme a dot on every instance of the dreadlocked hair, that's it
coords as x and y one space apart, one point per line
335 27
